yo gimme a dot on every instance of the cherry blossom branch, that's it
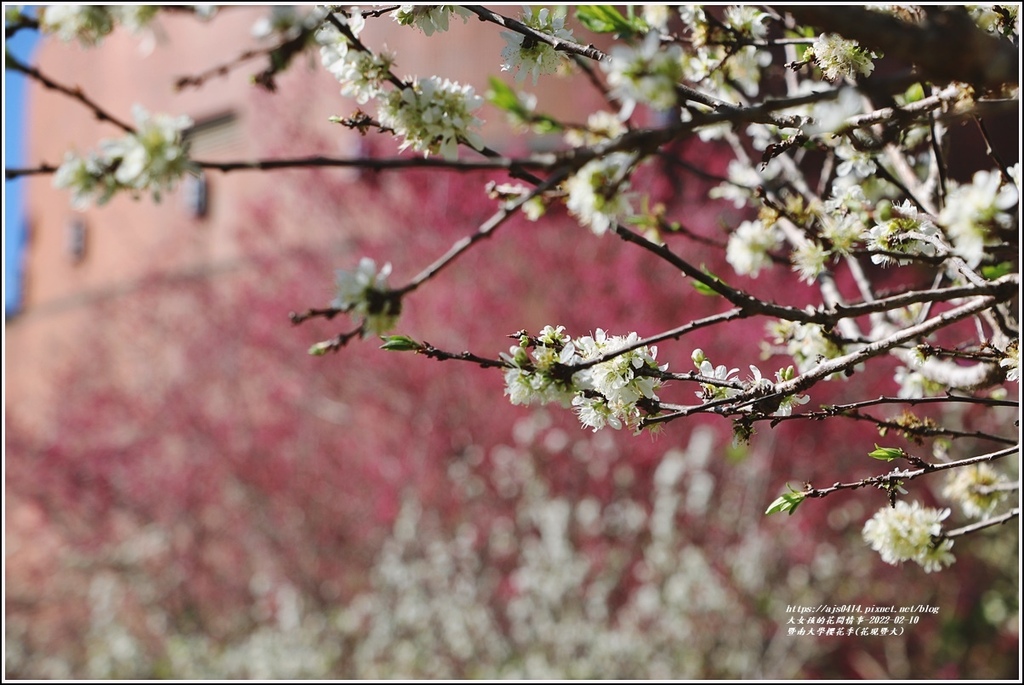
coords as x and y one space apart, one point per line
980 525
12 62
567 46
779 391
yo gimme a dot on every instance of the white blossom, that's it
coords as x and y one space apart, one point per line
809 261
905 233
530 56
365 295
715 391
657 16
747 21
905 533
432 116
838 57
855 164
749 245
972 488
597 192
428 18
362 74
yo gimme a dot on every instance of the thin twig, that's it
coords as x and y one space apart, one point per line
981 525
558 44
75 93
897 475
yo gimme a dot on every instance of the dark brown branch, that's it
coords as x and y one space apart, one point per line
75 93
981 525
897 475
889 424
484 231
559 44
945 399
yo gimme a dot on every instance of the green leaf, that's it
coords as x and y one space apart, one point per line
400 343
319 349
787 502
913 94
887 453
704 288
607 19
502 96
994 271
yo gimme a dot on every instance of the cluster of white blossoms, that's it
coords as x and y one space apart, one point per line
646 74
907 532
90 24
364 294
749 246
972 212
838 57
433 115
530 56
607 393
362 73
723 383
598 191
976 489
908 232
152 158
428 18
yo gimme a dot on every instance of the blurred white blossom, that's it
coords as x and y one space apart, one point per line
905 533
972 211
90 24
647 74
597 192
153 158
749 245
974 488
429 18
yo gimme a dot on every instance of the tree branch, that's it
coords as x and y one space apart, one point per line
980 58
12 62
